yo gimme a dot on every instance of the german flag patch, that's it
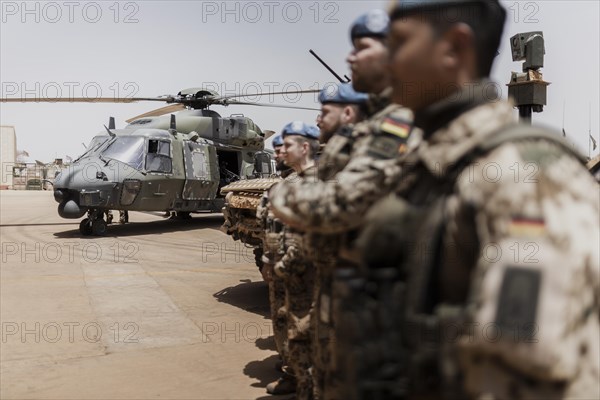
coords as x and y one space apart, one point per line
526 227
390 140
396 127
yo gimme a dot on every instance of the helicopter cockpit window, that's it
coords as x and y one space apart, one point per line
128 149
159 156
95 144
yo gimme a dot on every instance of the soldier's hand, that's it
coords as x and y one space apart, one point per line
280 270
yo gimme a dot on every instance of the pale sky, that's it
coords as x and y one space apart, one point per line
152 48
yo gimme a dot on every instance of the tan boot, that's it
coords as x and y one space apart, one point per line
284 385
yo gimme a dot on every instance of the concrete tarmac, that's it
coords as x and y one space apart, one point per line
155 309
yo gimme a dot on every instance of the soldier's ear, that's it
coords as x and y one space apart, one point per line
460 47
306 147
348 115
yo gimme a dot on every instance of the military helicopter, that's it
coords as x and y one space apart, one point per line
175 163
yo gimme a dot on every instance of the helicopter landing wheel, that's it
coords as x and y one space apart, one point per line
85 227
99 227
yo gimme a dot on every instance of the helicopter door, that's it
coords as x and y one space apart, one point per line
201 171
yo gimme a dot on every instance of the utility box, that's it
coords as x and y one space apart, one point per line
528 89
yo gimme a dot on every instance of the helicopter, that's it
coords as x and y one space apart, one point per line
160 162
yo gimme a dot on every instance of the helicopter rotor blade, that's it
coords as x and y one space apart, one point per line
86 100
158 112
242 103
268 94
176 103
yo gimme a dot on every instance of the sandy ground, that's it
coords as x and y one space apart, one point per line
155 309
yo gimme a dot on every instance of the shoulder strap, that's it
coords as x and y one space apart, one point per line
526 132
512 133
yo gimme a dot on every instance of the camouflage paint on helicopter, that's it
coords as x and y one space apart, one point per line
153 165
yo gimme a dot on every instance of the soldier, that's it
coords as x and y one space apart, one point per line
495 242
283 170
271 255
336 204
299 152
341 109
379 140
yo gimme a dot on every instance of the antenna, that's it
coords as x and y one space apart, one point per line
563 122
329 68
591 138
173 127
112 134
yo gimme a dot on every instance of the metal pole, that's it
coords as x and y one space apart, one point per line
525 114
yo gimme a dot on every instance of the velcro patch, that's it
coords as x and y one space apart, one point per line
518 300
390 140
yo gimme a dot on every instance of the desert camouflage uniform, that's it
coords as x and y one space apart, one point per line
324 249
502 292
331 207
298 275
338 205
271 255
323 252
336 153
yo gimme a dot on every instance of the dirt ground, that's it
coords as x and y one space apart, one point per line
155 309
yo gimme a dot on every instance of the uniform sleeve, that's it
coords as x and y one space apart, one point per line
336 205
533 294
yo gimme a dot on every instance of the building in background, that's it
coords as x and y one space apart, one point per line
8 155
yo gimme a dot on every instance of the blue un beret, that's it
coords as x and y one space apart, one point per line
375 23
342 93
400 8
277 141
299 128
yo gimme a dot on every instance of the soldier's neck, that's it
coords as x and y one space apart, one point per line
440 113
303 165
379 100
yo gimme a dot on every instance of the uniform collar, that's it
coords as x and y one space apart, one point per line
465 125
308 171
439 114
378 102
286 172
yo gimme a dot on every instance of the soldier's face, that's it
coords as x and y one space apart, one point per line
293 151
318 121
331 117
368 62
278 157
416 63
